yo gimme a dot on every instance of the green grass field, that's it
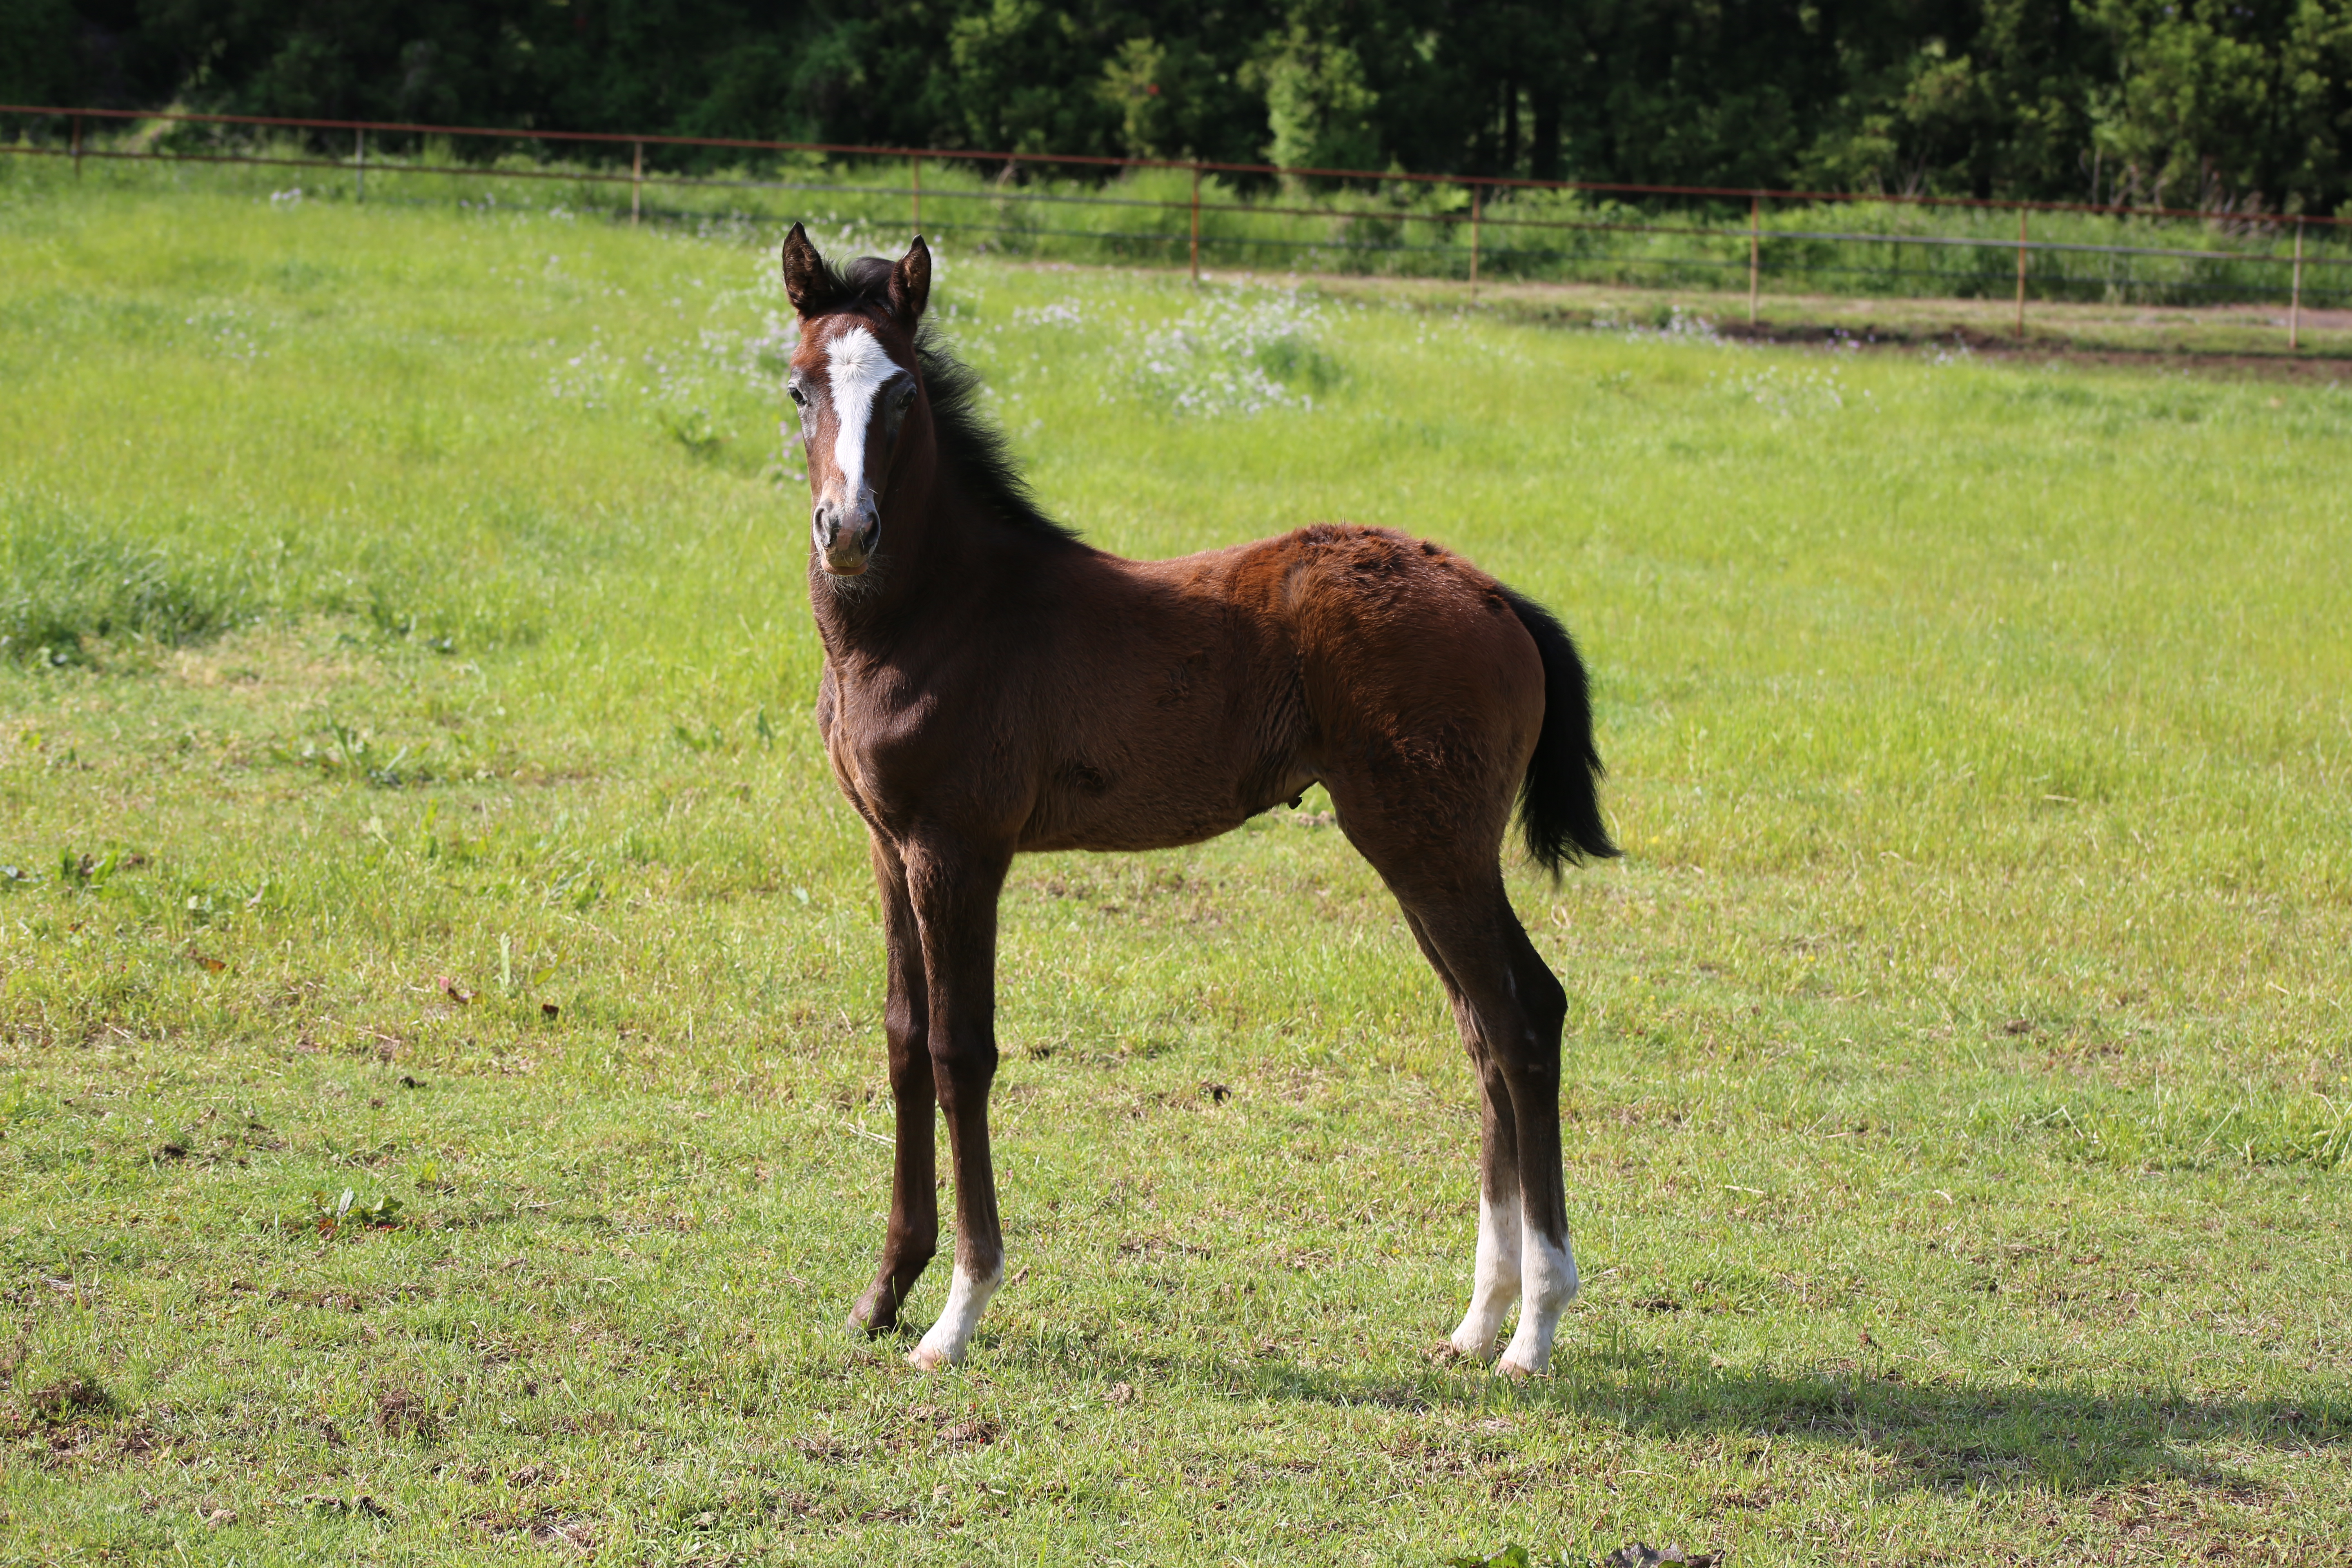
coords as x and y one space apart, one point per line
411 792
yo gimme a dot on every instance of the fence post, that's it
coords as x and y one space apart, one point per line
1196 220
360 163
915 169
2294 308
1476 196
636 182
2021 275
77 146
1755 250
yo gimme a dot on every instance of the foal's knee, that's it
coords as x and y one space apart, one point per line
911 1070
904 1026
963 1070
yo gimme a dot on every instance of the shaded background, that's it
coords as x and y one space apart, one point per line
2228 106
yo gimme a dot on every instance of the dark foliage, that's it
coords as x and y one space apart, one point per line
2238 103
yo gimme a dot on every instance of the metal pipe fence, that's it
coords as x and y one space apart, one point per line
1370 214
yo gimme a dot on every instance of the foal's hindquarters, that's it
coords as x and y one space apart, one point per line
1429 693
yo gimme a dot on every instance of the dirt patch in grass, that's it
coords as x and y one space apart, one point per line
560 1530
319 654
401 1414
67 1398
2315 369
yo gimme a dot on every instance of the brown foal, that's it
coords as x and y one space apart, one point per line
992 685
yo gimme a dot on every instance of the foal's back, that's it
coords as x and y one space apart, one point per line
1194 693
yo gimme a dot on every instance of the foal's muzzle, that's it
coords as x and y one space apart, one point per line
845 536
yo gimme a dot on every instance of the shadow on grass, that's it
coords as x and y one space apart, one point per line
1949 1436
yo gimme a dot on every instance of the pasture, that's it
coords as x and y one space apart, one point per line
411 793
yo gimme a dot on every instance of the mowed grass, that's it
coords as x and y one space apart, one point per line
411 792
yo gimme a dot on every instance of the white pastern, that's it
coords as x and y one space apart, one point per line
1547 1284
1497 1285
856 368
968 1297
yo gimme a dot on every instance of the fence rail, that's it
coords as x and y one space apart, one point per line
1474 219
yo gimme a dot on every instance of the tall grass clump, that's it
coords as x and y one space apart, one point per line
66 587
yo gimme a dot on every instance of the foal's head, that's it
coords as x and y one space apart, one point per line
856 382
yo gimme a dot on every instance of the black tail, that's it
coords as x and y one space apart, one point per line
1560 803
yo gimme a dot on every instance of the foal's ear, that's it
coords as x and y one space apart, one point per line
808 282
910 284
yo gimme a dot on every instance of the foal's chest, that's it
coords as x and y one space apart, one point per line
888 750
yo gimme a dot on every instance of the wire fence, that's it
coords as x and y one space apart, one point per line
1197 213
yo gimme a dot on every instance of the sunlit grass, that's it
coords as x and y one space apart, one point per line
410 789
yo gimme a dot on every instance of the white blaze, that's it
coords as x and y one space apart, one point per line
857 368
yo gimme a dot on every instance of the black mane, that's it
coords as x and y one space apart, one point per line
974 450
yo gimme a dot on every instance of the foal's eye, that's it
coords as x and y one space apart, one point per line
797 395
894 412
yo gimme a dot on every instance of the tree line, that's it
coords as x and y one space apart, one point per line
2222 104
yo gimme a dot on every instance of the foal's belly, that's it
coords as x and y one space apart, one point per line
1084 807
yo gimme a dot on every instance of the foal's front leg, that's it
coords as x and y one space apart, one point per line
914 1232
953 888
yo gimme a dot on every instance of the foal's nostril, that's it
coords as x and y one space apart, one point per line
844 536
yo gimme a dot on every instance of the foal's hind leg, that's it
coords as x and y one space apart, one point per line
1495 1289
1532 1072
1516 1009
1510 1008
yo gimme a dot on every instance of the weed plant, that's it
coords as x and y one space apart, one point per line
441 1115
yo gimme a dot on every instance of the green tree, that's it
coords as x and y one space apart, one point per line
1318 106
40 62
2228 103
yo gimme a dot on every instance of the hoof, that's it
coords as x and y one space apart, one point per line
876 1312
1517 1372
924 1359
1480 1351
